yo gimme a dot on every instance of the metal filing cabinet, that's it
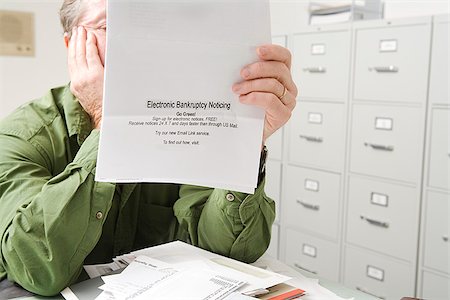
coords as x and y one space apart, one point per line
438 176
357 213
383 216
435 287
387 134
273 247
434 256
316 135
439 78
313 169
436 237
311 201
312 255
321 62
378 275
391 61
273 184
387 141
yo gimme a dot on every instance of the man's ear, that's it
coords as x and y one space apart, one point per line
66 39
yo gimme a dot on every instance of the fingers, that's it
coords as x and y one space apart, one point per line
275 53
267 85
92 55
81 48
270 85
275 109
270 69
71 59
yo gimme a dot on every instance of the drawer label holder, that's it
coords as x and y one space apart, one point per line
309 250
375 273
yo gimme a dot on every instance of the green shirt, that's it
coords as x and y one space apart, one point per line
54 217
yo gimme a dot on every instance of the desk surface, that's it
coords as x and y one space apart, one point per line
8 290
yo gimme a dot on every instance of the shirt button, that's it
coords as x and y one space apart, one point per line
99 215
230 197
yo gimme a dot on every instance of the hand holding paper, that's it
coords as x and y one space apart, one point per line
269 85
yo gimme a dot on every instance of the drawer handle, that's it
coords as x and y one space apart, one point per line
379 147
315 70
385 69
308 205
313 139
445 238
369 293
304 269
375 222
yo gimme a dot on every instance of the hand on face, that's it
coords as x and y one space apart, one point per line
86 73
264 86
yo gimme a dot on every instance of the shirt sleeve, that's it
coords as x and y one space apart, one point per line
233 224
48 224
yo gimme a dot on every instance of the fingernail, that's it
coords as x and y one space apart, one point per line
236 88
262 50
246 72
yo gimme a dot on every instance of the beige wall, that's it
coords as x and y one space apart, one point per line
25 78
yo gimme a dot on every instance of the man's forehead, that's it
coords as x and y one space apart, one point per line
94 13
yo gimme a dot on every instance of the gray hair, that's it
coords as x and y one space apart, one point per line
70 14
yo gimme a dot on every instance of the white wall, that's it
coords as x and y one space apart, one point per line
26 78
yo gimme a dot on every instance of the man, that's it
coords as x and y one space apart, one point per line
54 217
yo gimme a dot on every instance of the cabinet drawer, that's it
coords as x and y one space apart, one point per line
391 63
273 247
275 145
383 217
273 183
322 65
311 200
317 135
313 255
387 141
437 220
435 287
378 275
439 64
440 149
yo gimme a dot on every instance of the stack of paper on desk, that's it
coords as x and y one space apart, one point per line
202 274
169 113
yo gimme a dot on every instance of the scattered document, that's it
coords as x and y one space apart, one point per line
169 113
148 278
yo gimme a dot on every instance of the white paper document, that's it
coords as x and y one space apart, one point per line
187 257
169 113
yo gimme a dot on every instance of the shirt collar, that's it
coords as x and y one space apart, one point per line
77 120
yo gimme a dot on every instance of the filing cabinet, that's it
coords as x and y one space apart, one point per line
392 61
439 78
311 201
316 135
312 255
321 63
383 216
365 173
274 145
437 230
273 246
387 141
378 275
440 149
273 184
434 256
435 287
